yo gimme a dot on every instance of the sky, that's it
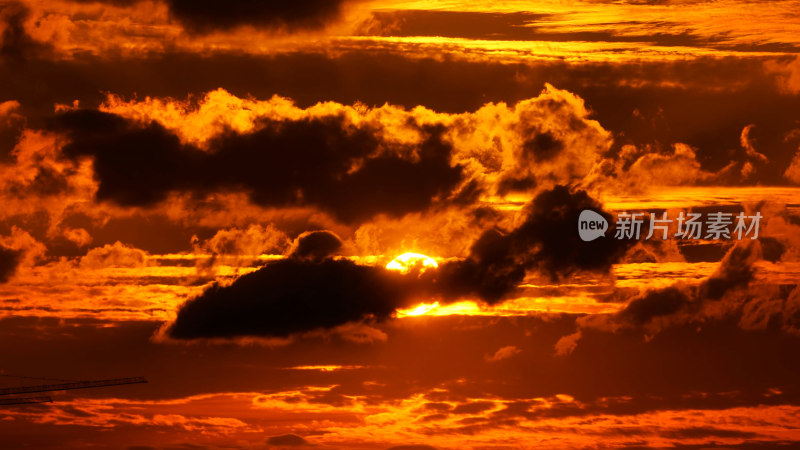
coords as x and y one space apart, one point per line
356 224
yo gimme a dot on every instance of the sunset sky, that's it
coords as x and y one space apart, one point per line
353 224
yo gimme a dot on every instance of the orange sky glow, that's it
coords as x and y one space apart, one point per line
355 224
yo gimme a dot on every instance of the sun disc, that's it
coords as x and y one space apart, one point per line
408 261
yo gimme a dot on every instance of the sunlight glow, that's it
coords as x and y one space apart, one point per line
408 261
522 306
421 309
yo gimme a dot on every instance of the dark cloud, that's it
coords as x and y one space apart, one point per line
12 124
135 165
772 249
287 440
316 245
542 146
307 162
307 292
291 296
725 295
16 44
516 184
9 259
735 270
203 16
657 303
654 103
47 182
547 241
206 16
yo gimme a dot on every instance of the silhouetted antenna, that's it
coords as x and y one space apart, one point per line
71 385
24 400
68 385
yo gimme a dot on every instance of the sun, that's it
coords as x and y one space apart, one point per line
412 261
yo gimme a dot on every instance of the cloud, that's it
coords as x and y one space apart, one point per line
204 16
653 305
536 143
291 296
773 310
787 74
12 124
309 290
238 247
316 245
287 440
173 167
325 161
545 241
412 447
735 270
27 249
251 241
9 259
723 294
16 45
503 353
567 344
639 168
792 172
115 255
78 236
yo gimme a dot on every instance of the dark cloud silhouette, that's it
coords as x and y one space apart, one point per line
680 304
203 16
9 259
287 440
653 103
135 165
307 291
735 270
516 184
547 241
206 16
656 303
282 163
316 245
291 296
